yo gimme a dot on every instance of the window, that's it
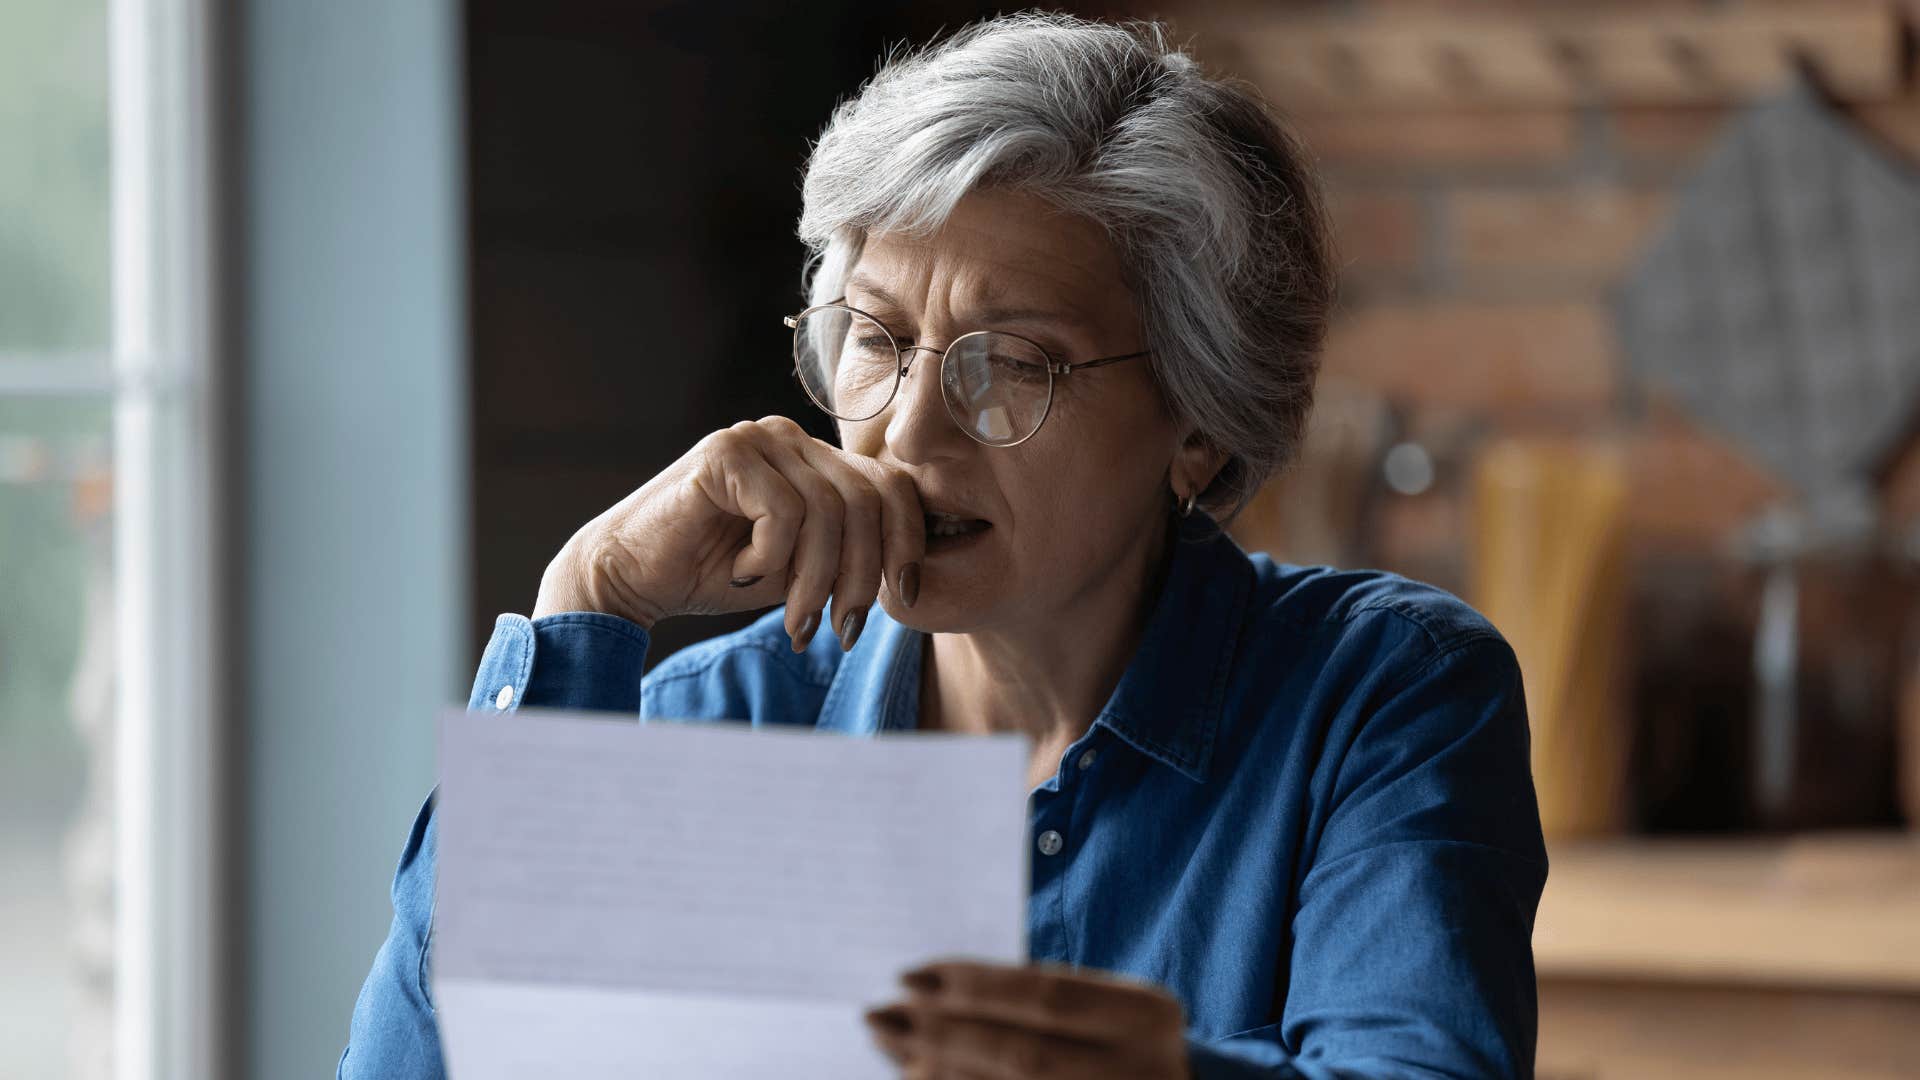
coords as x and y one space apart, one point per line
107 540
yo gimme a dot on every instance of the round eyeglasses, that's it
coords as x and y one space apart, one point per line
998 386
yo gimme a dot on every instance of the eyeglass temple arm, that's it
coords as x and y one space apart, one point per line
1102 362
793 321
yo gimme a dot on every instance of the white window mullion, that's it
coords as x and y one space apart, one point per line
165 489
195 913
135 826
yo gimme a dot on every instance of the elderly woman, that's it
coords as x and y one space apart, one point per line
1065 303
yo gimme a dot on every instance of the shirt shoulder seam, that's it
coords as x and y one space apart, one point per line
1446 641
1453 646
1412 613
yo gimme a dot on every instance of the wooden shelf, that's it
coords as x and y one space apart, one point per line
1823 910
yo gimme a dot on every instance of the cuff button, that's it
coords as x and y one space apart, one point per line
504 698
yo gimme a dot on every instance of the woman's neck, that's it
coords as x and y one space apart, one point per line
1050 676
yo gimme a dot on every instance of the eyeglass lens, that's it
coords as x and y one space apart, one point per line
996 386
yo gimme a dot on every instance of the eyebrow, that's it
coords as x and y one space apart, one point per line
994 312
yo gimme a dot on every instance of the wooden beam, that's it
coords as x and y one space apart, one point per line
1554 57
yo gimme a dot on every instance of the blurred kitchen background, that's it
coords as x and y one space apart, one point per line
323 325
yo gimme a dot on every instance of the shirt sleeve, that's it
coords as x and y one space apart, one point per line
1412 952
574 660
393 1035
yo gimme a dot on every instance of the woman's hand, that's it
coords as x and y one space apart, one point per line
754 513
973 1020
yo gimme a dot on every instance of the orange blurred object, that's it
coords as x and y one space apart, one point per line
1548 566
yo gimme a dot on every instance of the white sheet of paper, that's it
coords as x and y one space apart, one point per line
618 899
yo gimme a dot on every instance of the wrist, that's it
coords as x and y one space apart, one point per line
580 580
560 590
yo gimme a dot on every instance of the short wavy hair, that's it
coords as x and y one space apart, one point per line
1212 204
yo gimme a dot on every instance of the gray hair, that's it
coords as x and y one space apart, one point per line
1212 205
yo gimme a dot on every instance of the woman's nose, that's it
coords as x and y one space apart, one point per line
920 428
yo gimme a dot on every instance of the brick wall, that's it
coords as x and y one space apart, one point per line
1479 247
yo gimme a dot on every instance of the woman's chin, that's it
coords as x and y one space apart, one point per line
933 612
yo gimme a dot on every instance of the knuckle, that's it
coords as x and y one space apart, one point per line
783 426
827 497
863 506
786 502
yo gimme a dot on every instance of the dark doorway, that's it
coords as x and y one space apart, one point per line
634 174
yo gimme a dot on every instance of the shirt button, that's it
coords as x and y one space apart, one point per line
504 698
1050 843
1086 760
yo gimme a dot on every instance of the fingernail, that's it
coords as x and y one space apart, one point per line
805 634
910 583
922 980
850 627
743 582
894 1019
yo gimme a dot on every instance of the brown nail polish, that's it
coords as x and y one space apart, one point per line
805 634
894 1020
743 582
910 583
850 627
927 982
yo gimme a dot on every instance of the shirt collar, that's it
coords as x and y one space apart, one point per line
1169 702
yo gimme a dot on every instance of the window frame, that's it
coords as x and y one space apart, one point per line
168 529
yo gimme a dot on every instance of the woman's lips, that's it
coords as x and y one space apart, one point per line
938 544
967 525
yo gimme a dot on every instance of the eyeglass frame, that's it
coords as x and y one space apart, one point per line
1052 367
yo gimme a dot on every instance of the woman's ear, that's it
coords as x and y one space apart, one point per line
1196 464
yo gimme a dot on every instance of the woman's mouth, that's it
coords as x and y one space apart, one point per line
949 525
948 531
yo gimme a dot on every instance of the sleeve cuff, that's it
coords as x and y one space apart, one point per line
585 660
1239 1058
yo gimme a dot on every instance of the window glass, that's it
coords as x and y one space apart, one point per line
54 207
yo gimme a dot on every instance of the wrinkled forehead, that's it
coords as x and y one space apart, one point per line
995 254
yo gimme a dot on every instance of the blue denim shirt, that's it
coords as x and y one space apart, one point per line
1306 811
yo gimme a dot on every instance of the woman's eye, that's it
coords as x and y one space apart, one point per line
1022 371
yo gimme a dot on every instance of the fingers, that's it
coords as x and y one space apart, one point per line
1051 998
961 1046
742 482
849 522
861 550
815 564
1006 1021
924 1041
904 526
